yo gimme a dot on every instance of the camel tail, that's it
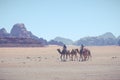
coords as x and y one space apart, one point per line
90 54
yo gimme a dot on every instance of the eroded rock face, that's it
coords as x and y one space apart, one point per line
19 30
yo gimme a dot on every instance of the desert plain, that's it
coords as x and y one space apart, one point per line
43 63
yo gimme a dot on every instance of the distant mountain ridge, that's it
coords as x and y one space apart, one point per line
105 39
101 40
107 35
64 40
20 36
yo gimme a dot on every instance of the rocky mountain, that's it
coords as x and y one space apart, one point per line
4 33
19 30
20 37
53 42
63 40
105 39
107 35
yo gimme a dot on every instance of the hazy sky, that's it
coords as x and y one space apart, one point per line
66 18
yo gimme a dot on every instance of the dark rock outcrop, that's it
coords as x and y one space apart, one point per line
20 42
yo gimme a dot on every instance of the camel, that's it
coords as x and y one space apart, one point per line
73 55
64 54
68 54
85 55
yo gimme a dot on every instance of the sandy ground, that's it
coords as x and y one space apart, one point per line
44 64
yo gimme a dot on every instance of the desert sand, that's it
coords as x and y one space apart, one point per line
43 63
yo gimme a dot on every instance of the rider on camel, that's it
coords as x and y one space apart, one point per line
81 50
64 48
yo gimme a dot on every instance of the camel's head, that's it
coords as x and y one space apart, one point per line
76 49
59 51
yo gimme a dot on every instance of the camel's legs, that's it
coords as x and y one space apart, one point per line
61 57
66 56
85 57
71 57
81 58
76 57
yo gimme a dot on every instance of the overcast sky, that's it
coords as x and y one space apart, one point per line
66 18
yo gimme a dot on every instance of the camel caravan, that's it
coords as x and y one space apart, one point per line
83 54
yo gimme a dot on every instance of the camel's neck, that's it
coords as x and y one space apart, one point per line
59 51
77 50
